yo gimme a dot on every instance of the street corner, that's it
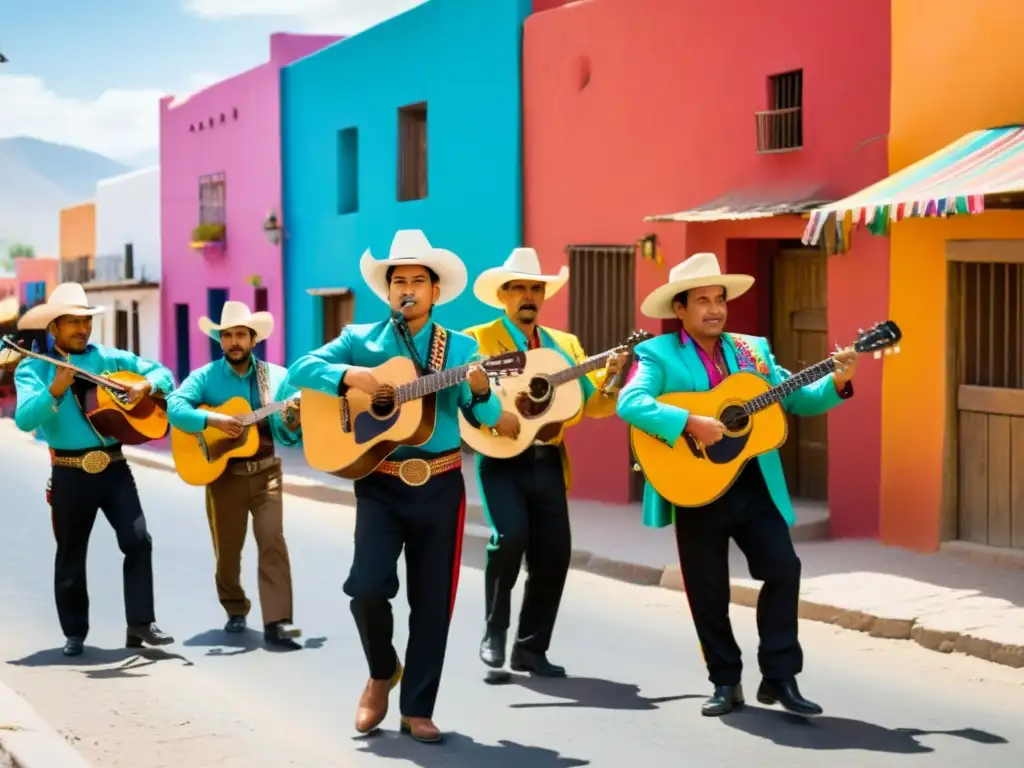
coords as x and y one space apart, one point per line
28 741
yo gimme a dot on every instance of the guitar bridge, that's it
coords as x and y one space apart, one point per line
346 417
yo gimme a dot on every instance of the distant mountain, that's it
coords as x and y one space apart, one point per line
37 179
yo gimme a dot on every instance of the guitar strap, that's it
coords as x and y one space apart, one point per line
437 356
263 382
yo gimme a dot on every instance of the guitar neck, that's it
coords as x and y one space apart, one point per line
100 381
581 369
789 386
261 413
431 383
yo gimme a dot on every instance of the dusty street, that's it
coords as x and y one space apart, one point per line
633 700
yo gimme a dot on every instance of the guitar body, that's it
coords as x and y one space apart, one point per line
690 475
132 424
542 409
202 457
350 437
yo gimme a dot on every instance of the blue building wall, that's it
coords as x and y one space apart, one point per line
462 57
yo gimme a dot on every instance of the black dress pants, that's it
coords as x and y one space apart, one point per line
525 499
747 514
76 497
428 522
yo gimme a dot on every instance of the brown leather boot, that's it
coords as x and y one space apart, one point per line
373 704
421 729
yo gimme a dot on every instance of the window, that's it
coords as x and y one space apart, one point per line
412 152
348 170
35 293
260 304
212 197
129 261
338 309
781 128
991 340
215 299
135 328
181 326
121 329
601 295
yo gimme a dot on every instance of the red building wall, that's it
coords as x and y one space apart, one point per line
640 107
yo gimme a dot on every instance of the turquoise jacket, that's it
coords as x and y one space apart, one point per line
665 364
216 383
373 344
61 421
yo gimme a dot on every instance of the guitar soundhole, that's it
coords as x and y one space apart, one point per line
536 399
735 419
382 404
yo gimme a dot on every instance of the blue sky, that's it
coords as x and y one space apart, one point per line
91 73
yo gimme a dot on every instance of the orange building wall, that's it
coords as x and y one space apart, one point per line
78 231
932 105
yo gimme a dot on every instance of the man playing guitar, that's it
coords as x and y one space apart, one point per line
89 470
525 497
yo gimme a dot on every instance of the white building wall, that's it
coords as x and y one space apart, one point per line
128 211
104 327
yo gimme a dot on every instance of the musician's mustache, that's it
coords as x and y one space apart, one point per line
407 301
236 349
532 307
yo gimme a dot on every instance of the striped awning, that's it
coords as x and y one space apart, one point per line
952 181
748 204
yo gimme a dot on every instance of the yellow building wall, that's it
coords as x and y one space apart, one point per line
956 67
78 231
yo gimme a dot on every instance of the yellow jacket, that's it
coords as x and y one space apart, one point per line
502 336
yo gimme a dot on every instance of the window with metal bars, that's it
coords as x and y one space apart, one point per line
780 128
991 343
212 198
602 294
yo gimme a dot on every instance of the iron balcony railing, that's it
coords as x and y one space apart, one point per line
779 130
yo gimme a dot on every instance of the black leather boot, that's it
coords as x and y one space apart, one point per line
73 646
723 700
786 693
235 624
149 634
492 648
281 635
534 663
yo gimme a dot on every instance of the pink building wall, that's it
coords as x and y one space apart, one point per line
40 269
8 286
239 137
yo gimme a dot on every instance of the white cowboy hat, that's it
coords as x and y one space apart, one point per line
699 271
66 299
522 264
235 314
410 247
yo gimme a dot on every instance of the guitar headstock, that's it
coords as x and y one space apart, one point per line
505 364
635 338
882 336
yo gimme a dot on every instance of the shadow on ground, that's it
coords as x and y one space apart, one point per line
460 751
221 643
589 693
128 660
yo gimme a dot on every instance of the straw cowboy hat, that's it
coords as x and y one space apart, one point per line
522 264
234 315
66 299
699 271
410 247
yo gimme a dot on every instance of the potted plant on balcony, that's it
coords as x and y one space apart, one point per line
207 236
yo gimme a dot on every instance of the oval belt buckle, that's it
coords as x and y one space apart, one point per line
95 462
414 472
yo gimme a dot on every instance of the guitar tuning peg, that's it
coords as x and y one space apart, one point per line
860 331
896 349
878 355
888 351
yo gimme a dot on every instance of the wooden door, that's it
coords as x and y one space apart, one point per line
338 311
121 329
800 339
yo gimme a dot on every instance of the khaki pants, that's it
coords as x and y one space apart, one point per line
229 500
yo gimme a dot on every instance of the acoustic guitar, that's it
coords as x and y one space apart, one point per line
543 404
201 457
105 402
350 436
690 474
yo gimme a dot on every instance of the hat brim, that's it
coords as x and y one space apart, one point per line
490 281
448 267
260 323
658 304
37 318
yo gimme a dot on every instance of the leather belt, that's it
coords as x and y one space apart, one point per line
252 466
416 472
90 462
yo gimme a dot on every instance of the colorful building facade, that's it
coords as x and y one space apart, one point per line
729 118
956 283
220 159
36 279
125 277
414 123
77 240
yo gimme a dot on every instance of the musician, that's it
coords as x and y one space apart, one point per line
525 497
756 511
415 499
250 485
89 471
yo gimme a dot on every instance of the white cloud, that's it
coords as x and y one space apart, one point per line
344 17
119 123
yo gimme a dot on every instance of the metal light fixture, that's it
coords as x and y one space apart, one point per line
649 249
272 228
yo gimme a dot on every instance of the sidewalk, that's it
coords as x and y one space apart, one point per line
26 741
942 602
